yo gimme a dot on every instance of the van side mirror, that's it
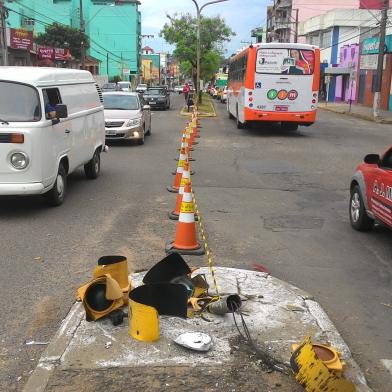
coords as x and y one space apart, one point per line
372 159
61 111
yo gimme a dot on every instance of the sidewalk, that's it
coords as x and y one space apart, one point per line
97 356
358 111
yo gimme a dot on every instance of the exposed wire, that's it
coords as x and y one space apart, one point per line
271 363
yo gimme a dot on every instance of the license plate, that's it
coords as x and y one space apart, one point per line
110 133
281 108
152 103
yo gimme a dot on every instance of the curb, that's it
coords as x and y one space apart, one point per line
352 373
51 357
58 345
357 115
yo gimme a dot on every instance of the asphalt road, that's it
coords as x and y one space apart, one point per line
270 197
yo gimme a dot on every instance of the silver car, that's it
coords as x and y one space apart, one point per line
126 116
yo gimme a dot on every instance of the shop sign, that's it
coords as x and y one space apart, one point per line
21 39
371 45
370 61
45 53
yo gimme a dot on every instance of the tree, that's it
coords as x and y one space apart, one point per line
56 35
181 31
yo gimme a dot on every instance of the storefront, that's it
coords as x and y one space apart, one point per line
342 78
368 73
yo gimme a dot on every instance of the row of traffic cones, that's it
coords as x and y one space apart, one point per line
185 241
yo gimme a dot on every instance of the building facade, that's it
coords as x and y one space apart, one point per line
284 16
114 28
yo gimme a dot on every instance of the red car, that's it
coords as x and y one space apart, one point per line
371 192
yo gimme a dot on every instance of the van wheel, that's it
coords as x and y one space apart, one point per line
56 195
93 167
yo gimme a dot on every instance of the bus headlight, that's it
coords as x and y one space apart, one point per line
19 160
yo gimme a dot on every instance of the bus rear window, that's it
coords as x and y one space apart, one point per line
285 61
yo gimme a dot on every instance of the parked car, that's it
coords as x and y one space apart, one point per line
109 87
371 192
224 95
157 97
51 123
125 86
178 89
141 88
126 116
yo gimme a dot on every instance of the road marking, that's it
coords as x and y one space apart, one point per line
388 364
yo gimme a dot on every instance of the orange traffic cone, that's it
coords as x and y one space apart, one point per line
185 241
180 168
186 176
184 144
187 159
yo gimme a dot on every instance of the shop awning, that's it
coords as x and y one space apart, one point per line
336 71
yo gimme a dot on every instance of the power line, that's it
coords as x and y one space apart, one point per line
63 24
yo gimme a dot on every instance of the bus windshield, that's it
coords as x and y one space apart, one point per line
19 102
285 61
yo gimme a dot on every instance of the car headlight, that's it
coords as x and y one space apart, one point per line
161 99
133 123
19 160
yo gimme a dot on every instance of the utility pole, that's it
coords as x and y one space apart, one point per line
82 31
296 26
380 63
3 35
107 64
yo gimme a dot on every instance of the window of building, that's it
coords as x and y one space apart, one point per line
326 39
314 40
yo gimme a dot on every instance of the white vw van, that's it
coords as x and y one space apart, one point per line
51 123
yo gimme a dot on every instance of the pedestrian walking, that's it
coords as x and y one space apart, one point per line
186 89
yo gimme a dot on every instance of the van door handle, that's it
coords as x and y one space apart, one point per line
67 131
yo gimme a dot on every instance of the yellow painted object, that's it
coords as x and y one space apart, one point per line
329 356
313 374
118 271
143 322
100 297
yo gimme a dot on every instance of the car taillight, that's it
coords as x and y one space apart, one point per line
17 138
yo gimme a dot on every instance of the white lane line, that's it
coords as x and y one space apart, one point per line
388 364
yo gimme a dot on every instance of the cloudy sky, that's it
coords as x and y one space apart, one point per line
241 15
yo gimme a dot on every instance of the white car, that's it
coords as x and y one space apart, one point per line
126 116
141 88
125 86
223 98
51 123
178 89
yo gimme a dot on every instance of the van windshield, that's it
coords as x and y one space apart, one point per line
19 102
120 102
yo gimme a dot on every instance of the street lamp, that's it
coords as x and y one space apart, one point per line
199 9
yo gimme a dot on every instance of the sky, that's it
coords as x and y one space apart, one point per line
241 15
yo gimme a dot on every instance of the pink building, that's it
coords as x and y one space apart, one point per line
282 15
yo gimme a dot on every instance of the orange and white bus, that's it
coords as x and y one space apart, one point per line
275 82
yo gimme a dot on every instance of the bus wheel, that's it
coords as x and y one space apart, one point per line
240 125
